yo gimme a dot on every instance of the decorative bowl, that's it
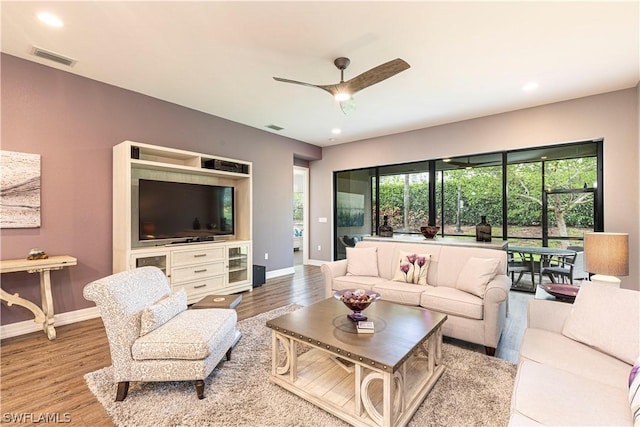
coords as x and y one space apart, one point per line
429 231
356 300
561 291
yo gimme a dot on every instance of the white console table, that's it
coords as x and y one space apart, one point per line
42 315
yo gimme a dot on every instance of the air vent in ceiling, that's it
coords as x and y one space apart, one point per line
274 127
52 56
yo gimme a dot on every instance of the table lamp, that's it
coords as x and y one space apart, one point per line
606 255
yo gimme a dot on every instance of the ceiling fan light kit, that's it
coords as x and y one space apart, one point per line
343 92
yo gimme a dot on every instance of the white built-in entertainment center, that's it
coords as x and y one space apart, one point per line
207 258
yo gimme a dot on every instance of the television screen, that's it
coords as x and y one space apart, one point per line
170 210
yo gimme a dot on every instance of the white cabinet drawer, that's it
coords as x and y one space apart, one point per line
197 256
202 287
195 272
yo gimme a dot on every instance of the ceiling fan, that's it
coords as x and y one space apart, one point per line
468 164
343 92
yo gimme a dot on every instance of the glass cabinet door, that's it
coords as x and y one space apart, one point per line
238 265
150 259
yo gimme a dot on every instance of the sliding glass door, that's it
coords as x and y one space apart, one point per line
543 196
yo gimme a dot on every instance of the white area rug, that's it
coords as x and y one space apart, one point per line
475 390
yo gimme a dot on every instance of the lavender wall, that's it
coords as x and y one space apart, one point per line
73 123
612 116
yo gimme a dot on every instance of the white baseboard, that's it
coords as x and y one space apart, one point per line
281 272
29 326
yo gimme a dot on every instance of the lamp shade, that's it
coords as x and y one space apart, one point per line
606 253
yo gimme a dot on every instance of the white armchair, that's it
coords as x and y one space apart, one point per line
152 336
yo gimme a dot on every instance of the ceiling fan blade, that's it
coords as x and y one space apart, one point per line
376 75
280 79
332 89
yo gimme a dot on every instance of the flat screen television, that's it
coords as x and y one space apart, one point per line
184 212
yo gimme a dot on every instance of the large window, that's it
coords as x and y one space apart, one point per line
354 201
546 196
404 196
470 188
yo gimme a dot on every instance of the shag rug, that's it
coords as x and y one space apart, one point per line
475 390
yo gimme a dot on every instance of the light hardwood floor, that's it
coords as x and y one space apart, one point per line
39 376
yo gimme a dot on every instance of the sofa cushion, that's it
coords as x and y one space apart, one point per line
552 396
560 352
608 319
388 253
362 262
188 336
360 282
161 312
402 293
634 392
452 301
412 268
475 275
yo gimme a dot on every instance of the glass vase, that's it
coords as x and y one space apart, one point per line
483 230
385 229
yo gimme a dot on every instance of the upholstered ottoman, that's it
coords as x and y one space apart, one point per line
202 336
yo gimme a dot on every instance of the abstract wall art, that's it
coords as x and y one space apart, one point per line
350 209
19 190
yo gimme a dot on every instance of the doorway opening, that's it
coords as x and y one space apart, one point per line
300 215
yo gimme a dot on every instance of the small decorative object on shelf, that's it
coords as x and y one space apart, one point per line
37 254
483 230
385 229
429 231
196 224
365 327
356 300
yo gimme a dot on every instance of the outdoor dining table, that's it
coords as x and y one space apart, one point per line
546 254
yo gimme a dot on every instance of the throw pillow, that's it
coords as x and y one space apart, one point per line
607 318
362 262
476 273
412 268
634 393
161 312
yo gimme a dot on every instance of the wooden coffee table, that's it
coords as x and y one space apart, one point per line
364 379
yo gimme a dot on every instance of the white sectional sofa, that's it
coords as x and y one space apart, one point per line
576 360
470 285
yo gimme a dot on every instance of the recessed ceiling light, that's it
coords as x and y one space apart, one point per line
530 86
336 131
446 160
50 19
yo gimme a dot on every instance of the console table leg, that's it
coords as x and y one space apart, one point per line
47 304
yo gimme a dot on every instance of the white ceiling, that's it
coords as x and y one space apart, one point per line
468 59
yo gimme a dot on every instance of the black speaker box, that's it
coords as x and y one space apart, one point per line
223 165
259 275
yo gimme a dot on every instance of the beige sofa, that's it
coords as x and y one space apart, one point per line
575 360
476 314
